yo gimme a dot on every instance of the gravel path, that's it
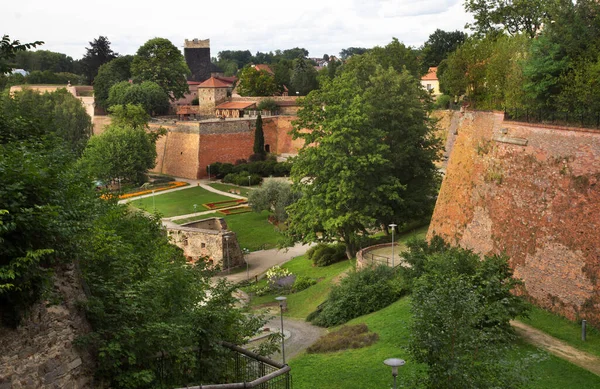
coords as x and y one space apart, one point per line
302 335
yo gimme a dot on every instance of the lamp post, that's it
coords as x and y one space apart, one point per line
297 93
249 181
227 243
394 363
281 300
393 227
195 207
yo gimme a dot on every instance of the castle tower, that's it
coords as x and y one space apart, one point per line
197 57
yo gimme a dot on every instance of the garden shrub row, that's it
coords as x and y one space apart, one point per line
242 179
261 168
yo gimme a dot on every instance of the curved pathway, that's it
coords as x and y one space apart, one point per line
302 336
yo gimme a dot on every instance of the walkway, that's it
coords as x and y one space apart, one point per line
557 347
301 335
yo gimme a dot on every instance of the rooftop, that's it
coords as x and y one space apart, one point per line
236 105
214 83
431 75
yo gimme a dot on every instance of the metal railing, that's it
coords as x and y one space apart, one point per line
235 367
583 119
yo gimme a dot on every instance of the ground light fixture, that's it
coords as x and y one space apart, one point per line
281 300
394 363
393 227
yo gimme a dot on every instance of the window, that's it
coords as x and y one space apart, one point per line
202 245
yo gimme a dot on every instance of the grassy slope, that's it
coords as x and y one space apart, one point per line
179 202
564 329
364 368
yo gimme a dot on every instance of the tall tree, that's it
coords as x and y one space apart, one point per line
109 74
159 61
304 77
510 16
350 51
8 51
259 137
440 44
254 82
96 55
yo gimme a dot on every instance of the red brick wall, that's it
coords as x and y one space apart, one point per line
538 203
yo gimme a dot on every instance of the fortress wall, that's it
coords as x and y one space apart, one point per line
224 142
277 135
534 194
178 150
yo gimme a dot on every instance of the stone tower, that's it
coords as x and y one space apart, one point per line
197 57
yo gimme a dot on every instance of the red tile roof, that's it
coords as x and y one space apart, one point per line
265 68
431 75
236 105
229 80
214 83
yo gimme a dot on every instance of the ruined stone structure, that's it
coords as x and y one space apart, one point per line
189 147
208 238
41 352
197 57
533 193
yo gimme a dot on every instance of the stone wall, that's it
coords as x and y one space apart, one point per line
177 152
41 353
532 193
210 240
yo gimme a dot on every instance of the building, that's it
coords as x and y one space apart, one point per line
431 83
197 57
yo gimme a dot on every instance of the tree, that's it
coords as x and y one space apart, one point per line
42 60
159 61
148 94
120 153
350 51
129 115
254 82
511 16
96 55
273 196
462 306
109 74
259 137
8 51
295 53
440 44
304 77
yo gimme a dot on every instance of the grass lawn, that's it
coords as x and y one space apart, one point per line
564 329
253 230
364 368
244 190
179 202
302 303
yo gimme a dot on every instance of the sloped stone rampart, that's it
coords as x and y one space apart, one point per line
41 352
532 193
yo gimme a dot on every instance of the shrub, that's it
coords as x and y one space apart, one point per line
442 102
267 105
279 278
324 255
241 178
302 283
256 157
359 293
347 337
219 169
282 169
195 101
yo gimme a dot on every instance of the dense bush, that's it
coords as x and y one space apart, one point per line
241 179
148 94
442 102
359 293
325 254
262 168
345 338
302 283
267 105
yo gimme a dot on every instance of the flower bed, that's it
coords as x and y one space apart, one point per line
236 210
225 204
171 185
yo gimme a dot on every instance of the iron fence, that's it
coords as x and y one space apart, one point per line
232 367
585 119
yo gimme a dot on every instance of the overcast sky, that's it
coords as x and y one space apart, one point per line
320 26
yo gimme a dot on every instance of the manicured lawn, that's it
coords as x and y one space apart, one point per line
253 230
179 202
302 303
565 330
364 368
227 187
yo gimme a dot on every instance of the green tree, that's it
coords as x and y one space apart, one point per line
304 77
121 153
350 51
511 16
160 61
109 74
462 306
273 196
95 56
148 94
259 137
129 115
42 60
254 82
440 44
8 51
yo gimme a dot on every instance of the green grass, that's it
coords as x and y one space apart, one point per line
564 329
244 191
364 368
253 230
302 303
179 202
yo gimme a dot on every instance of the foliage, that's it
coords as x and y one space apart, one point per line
259 137
120 153
359 293
243 178
324 254
109 74
49 77
148 94
350 51
95 56
160 61
262 168
304 77
303 283
513 17
42 60
440 44
346 337
9 50
267 105
462 306
130 115
273 196
254 82
442 102
351 172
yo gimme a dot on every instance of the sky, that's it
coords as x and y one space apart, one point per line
320 26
